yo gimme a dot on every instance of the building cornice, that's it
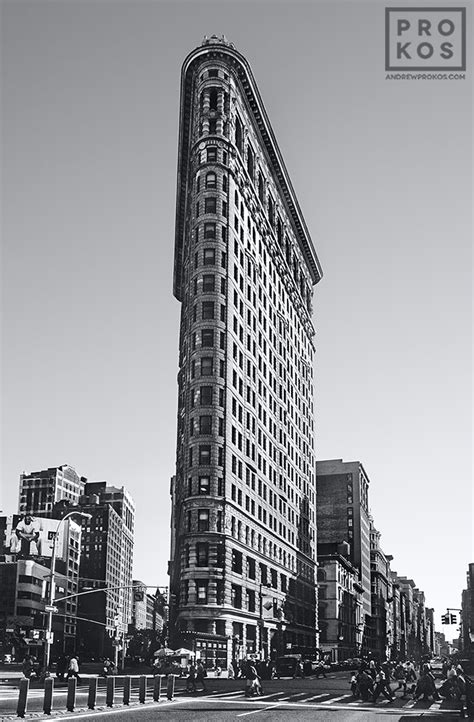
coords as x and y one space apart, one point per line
215 49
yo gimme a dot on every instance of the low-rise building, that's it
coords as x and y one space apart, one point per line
339 603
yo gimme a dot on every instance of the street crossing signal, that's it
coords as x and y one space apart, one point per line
445 619
454 619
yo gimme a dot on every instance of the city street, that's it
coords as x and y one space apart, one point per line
301 699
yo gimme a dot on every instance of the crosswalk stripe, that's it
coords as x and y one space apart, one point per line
316 696
336 699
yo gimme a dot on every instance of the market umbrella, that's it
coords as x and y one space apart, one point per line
164 652
181 652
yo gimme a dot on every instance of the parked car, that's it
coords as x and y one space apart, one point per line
285 666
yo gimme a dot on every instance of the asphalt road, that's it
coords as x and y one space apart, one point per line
300 699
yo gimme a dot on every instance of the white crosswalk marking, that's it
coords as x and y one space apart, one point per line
316 696
335 699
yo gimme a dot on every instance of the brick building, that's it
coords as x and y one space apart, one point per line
243 549
343 515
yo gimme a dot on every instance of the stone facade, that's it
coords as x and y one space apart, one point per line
243 548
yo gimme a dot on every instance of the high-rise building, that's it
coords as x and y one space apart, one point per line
343 515
106 562
40 490
243 498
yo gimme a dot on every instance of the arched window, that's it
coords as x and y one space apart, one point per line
321 575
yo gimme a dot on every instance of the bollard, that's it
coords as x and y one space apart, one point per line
170 686
71 694
23 697
157 688
48 695
109 695
142 689
127 688
91 700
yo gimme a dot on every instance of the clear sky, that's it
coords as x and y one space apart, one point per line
382 170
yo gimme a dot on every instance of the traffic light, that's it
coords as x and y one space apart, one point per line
445 619
454 619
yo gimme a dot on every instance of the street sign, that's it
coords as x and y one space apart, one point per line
50 608
10 631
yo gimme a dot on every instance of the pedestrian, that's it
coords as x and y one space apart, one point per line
230 672
320 670
460 687
61 667
426 686
381 686
400 675
365 684
200 674
299 670
191 680
73 668
252 685
354 686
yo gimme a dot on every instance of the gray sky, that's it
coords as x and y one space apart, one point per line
382 169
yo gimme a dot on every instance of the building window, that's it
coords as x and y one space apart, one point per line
204 484
211 180
205 395
209 257
201 591
202 554
211 154
207 366
261 188
210 206
238 135
250 162
208 283
236 596
207 338
203 519
204 455
251 600
236 561
205 424
250 568
207 310
209 230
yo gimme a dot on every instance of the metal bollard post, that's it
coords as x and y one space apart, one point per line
91 699
71 694
109 695
48 695
23 697
157 688
142 689
127 688
170 686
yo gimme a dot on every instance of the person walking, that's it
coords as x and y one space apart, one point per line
191 680
73 668
365 684
200 674
381 686
61 667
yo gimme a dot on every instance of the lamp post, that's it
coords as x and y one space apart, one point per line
52 587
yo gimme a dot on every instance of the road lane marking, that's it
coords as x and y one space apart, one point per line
255 711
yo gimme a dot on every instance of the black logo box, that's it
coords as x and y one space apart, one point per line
425 66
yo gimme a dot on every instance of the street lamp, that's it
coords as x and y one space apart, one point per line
50 608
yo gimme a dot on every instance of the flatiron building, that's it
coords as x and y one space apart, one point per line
243 527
